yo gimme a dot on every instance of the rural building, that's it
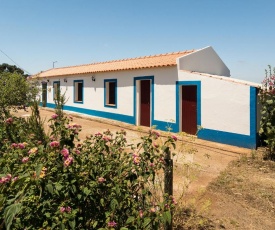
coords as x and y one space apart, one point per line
180 91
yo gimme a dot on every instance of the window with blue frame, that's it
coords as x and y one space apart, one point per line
78 91
56 89
110 93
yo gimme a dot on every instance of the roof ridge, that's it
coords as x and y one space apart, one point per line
125 59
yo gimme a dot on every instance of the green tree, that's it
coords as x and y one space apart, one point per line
6 68
15 90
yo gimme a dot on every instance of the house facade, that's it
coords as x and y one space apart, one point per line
189 91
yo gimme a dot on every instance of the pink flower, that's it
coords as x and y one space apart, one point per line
68 161
174 137
136 160
98 135
21 145
151 164
112 224
65 152
101 179
106 138
9 121
68 209
154 133
155 145
54 144
77 151
54 116
62 209
140 213
14 145
153 209
25 159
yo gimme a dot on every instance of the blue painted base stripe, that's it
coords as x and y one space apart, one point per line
235 139
114 116
165 126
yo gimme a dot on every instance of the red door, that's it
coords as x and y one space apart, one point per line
145 105
189 109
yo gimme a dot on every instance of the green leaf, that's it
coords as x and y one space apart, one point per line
130 219
86 191
146 222
72 224
10 212
102 201
114 203
95 224
58 186
167 216
49 187
38 170
123 228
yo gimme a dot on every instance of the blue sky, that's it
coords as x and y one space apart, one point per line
35 33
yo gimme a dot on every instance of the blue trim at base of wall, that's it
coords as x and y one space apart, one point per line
113 116
235 139
247 141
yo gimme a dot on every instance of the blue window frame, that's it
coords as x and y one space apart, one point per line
110 93
78 91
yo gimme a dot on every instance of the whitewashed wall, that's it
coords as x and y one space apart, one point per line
93 93
204 61
225 105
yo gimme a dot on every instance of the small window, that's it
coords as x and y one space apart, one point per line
78 91
110 90
56 89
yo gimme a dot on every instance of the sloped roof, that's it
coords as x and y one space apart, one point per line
161 60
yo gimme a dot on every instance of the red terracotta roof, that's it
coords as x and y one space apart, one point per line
161 60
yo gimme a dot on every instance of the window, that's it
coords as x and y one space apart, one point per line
56 89
110 93
78 91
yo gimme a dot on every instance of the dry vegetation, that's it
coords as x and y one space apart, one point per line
241 197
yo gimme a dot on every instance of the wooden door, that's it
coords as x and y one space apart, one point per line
44 94
189 109
145 103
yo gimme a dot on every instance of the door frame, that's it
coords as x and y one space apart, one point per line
136 109
179 85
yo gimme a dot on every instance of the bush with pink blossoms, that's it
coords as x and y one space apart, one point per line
101 182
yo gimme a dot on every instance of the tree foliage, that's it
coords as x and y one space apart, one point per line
16 91
6 68
267 123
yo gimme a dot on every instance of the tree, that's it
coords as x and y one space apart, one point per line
6 68
15 90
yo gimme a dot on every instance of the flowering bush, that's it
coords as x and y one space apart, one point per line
267 99
99 183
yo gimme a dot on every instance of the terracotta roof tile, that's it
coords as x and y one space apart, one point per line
160 60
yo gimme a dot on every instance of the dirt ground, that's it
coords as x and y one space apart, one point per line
202 172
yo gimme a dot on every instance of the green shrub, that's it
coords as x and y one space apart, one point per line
267 123
61 183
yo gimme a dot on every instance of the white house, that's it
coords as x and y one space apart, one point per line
182 90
